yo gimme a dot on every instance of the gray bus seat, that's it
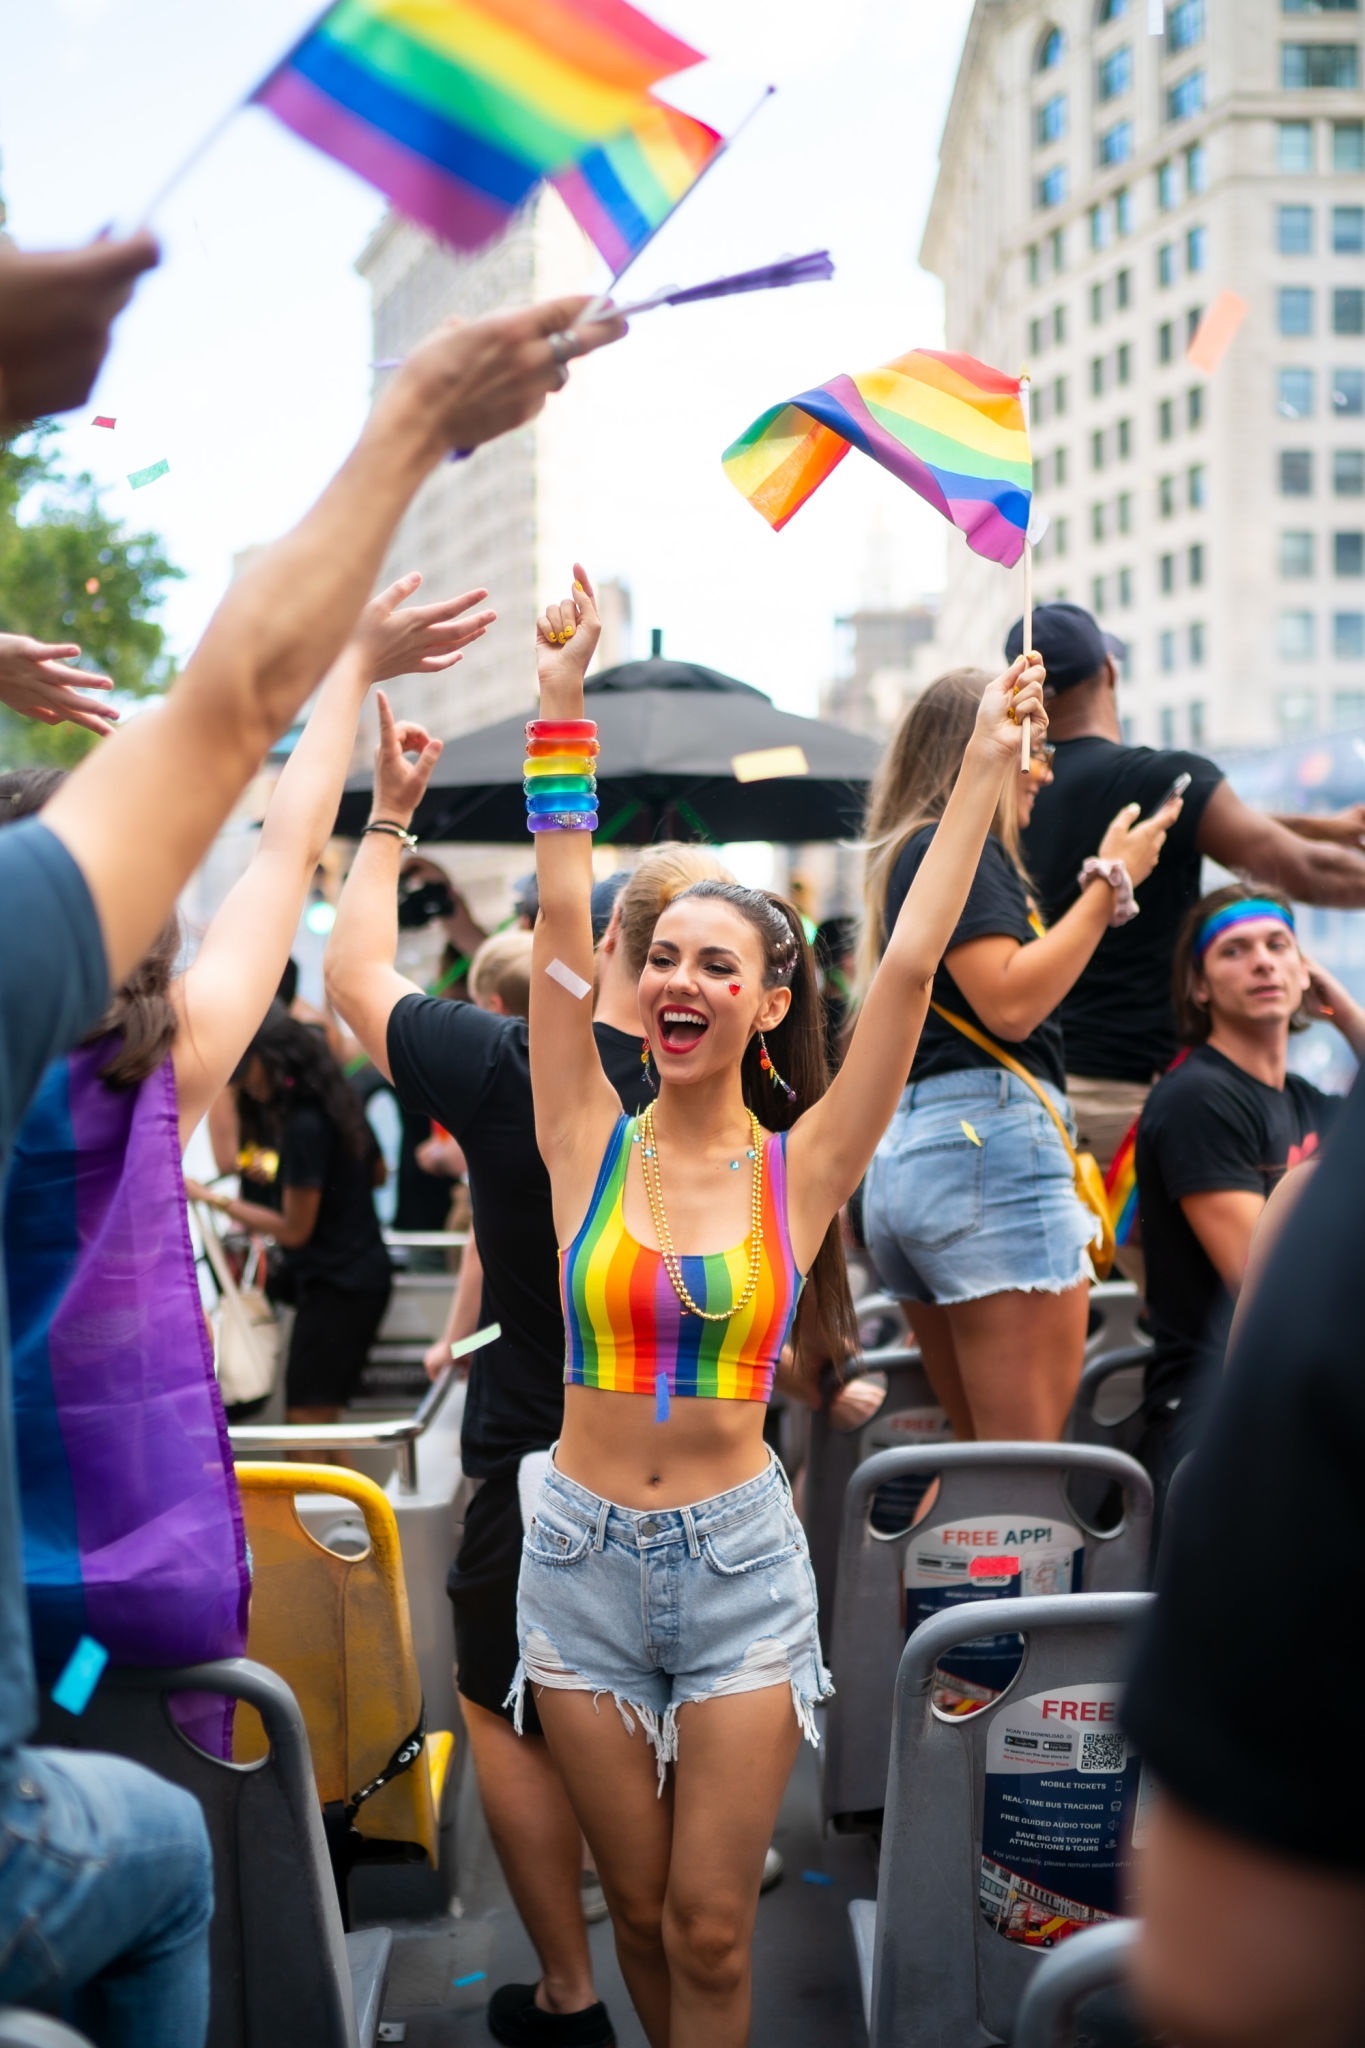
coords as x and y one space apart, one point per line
1095 1960
881 1322
35 2030
989 1494
1108 1404
282 1971
1115 1306
977 1878
909 1415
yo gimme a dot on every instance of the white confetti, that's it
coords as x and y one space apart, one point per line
488 1335
768 764
566 978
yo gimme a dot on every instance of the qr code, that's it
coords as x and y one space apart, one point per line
1102 1752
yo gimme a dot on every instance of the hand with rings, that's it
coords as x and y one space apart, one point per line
563 348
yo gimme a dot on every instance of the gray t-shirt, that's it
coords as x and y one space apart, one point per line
53 988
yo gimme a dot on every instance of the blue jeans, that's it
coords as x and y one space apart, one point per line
106 1893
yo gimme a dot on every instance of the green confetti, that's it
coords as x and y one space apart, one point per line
139 477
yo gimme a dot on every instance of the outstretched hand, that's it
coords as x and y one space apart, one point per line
1006 702
56 309
35 682
567 634
400 784
473 380
399 639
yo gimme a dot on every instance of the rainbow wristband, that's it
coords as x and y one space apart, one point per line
558 776
560 730
561 785
543 806
562 821
556 764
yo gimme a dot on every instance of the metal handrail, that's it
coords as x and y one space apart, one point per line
401 1437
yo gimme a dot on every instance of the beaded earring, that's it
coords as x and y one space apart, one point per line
765 1061
650 1075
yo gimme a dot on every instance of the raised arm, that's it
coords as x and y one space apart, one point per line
363 985
139 814
225 994
1272 850
576 1105
832 1144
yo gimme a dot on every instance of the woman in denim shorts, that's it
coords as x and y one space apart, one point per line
666 1611
970 1210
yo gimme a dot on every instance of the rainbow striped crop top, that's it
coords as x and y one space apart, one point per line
627 1332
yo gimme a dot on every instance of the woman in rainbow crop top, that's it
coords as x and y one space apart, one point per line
664 1565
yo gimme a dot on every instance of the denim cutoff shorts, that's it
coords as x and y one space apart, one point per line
947 1220
663 1606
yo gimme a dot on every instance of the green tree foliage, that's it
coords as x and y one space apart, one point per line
56 539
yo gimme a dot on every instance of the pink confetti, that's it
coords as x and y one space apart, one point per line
101 420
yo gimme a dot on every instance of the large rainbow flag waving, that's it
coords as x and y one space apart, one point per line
455 109
621 190
950 427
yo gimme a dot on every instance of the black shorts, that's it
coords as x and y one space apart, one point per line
333 1331
483 1593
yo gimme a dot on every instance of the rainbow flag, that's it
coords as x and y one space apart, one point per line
455 109
1120 1184
620 191
950 427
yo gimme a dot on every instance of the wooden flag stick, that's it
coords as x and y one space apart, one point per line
1026 743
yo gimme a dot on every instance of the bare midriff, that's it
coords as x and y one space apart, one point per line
612 1445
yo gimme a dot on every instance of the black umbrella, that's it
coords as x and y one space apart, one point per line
669 732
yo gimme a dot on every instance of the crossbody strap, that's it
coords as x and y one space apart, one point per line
997 1052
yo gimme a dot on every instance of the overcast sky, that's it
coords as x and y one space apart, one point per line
244 361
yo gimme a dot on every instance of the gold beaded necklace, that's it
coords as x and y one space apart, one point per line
649 1166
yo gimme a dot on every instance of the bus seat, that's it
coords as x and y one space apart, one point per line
1115 1310
1096 1960
282 1970
887 1578
959 1931
1108 1404
336 1629
35 2030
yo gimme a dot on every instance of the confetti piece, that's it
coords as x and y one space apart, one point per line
1216 332
488 1335
765 764
971 1134
474 1977
1359 746
84 1668
661 1397
92 584
993 1568
101 420
816 1877
149 475
566 978
1156 17
1038 524
386 362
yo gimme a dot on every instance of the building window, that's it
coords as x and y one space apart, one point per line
1348 473
1059 467
1198 643
1123 362
1059 397
1116 144
1329 66
1194 565
1056 242
1059 323
1125 439
1052 187
1051 50
1059 536
1116 73
1123 286
1099 227
1194 406
1348 393
1295 389
1111 10
1348 310
1196 486
1294 309
1196 249
1097 522
1295 149
1166 574
1097 594
1348 636
1165 494
1096 304
1167 185
1166 723
1123 511
1319 6
1185 25
1196 169
1348 707
1049 121
1165 420
1165 651
1123 210
1297 638
1296 472
1348 554
1035 337
1166 263
1125 589
1348 145
1035 264
1298 713
1197 723
1185 97
1097 449
1097 376
1348 230
1294 230
1165 342
1296 556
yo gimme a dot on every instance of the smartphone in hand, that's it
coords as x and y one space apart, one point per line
1177 788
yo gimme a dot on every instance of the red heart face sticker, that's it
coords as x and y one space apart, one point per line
735 987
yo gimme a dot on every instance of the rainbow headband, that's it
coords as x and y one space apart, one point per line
1245 912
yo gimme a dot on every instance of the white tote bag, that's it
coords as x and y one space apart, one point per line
246 1329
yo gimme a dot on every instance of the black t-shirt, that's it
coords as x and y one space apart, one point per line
1117 1020
472 1072
1206 1127
998 904
346 1250
1256 1610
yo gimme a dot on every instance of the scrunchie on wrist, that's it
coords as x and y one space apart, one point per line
1125 906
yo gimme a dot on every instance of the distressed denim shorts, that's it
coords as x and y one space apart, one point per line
663 1606
970 1193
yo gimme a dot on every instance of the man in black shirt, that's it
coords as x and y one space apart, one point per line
1117 1021
1218 1133
1251 1880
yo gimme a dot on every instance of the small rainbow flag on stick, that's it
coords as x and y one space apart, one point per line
952 428
455 109
622 190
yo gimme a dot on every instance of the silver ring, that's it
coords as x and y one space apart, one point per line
561 376
563 348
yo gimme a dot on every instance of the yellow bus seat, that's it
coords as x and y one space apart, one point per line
337 1631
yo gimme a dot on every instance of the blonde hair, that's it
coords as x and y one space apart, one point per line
502 968
910 791
665 871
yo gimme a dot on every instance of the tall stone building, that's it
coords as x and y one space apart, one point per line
1099 185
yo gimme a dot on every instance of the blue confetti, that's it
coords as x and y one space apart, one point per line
474 1977
84 1668
816 1877
661 1398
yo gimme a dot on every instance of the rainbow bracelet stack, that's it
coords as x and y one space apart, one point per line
559 775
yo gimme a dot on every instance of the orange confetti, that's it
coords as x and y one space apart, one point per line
1216 332
92 585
